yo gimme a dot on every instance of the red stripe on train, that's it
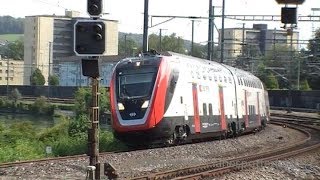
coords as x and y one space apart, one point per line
223 123
195 108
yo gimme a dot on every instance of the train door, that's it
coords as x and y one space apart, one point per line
223 123
196 117
246 116
258 106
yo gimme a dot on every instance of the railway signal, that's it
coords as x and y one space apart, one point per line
89 38
94 8
290 1
289 15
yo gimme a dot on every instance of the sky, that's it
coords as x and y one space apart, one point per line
129 13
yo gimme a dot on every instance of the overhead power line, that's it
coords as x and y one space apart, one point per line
303 18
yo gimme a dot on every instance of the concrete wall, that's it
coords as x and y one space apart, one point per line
300 99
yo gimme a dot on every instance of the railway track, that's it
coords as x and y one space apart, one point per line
220 167
52 100
236 164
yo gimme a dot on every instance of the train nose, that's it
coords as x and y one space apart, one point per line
132 109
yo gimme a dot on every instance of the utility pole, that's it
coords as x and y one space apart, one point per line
289 70
145 26
243 43
222 33
274 43
49 70
192 36
212 33
160 39
209 55
125 45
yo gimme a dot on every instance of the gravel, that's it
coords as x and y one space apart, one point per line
305 166
138 163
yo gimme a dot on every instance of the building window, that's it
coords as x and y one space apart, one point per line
11 78
0 70
0 78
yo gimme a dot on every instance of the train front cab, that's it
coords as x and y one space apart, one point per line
138 104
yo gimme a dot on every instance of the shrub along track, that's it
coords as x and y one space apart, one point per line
236 164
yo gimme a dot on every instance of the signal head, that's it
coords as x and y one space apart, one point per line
94 7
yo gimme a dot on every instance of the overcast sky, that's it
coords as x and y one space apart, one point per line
129 13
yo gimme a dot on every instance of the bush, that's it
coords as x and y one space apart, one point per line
22 150
79 125
18 131
107 142
70 145
56 132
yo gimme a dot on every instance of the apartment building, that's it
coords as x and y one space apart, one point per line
49 38
258 37
70 71
11 72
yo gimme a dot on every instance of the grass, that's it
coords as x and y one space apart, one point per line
10 37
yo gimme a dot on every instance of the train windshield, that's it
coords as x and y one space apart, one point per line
136 82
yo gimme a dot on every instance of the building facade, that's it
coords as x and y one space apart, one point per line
259 37
49 39
11 72
70 71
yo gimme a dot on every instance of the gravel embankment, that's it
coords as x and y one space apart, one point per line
305 166
155 160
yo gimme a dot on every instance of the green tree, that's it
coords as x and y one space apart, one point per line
168 43
11 25
199 51
272 82
314 45
304 85
13 50
127 47
53 80
83 98
82 101
37 79
15 96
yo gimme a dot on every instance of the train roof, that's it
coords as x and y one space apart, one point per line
237 72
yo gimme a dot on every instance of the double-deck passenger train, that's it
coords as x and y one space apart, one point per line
177 98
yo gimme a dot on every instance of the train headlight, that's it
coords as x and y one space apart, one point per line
120 106
145 104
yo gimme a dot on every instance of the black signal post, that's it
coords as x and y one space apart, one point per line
89 41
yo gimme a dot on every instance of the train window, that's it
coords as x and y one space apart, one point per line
210 109
241 82
205 109
215 78
210 78
220 78
238 81
225 79
181 99
230 81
